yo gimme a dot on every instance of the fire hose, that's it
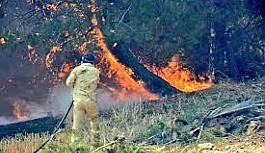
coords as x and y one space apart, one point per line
56 129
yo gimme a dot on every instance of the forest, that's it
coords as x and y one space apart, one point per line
159 51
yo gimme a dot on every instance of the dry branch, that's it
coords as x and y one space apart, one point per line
226 111
118 140
231 109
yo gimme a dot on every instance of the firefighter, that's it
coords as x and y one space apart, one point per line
83 81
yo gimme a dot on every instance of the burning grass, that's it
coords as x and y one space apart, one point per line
147 126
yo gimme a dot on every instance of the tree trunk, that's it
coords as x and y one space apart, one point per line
225 51
232 62
152 81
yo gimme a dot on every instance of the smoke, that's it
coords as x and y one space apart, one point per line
20 110
59 101
105 100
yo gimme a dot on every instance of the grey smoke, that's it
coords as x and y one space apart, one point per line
59 102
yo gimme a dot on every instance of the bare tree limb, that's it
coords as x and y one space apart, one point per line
124 13
254 45
118 140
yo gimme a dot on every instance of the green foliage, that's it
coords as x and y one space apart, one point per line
56 147
125 148
190 114
210 133
156 128
156 30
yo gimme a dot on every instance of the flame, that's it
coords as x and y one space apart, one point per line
181 78
83 47
49 57
2 41
130 89
31 52
65 69
19 112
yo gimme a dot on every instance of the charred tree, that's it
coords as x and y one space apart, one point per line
152 81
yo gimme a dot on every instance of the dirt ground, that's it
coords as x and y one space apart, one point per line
245 144
231 144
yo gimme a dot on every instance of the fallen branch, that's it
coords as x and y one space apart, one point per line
185 148
226 110
172 141
256 118
231 109
232 135
194 130
200 133
118 140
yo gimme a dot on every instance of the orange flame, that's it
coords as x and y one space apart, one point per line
130 89
66 68
181 78
49 57
83 47
2 41
19 112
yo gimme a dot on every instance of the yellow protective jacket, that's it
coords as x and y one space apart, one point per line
83 80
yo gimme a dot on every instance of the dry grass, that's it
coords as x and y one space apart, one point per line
22 144
140 121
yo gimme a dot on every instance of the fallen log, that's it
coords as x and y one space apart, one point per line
39 125
233 118
152 82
